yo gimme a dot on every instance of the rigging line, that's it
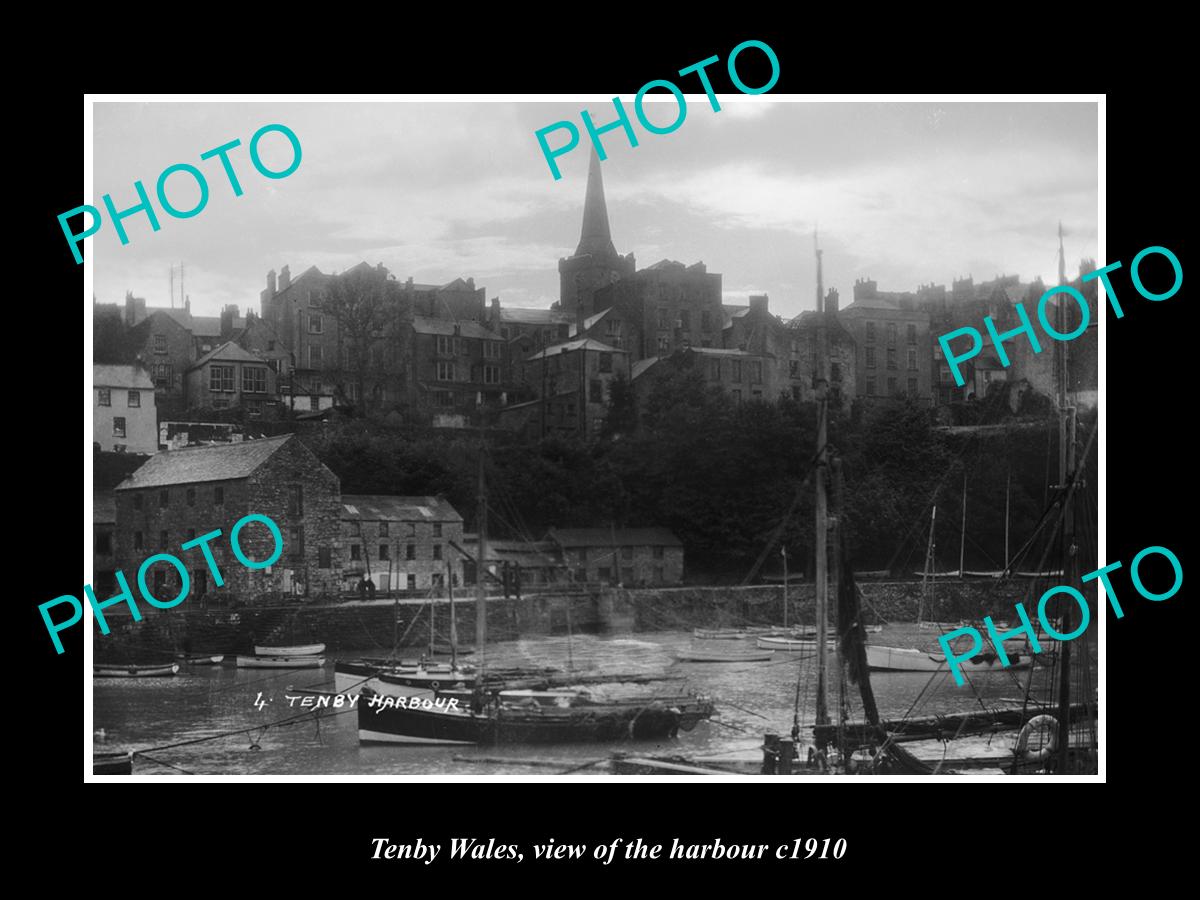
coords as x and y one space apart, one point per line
161 762
279 723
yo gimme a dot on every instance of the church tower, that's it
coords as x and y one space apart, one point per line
596 262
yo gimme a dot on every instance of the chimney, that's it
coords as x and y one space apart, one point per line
758 302
831 301
187 304
285 278
495 323
270 284
228 314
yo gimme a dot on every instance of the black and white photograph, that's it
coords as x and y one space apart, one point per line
511 438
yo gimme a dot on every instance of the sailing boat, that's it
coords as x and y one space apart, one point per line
493 718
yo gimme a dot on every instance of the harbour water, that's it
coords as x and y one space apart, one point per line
194 714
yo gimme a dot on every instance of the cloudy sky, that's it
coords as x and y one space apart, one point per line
903 193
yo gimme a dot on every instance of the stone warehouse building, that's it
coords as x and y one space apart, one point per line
400 543
182 494
624 556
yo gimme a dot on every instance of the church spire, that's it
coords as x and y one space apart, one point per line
595 239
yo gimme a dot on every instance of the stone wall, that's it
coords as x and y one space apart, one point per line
355 626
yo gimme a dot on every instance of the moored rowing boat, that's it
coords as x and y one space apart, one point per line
131 671
280 662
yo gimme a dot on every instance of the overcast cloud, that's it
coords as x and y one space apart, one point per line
902 193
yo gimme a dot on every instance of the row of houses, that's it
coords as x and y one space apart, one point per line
443 354
333 541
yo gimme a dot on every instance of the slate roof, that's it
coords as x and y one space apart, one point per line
529 316
218 462
605 537
390 508
229 351
467 328
121 377
585 344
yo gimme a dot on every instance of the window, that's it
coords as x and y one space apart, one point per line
164 538
295 499
296 534
218 496
595 391
891 386
412 582
324 558
664 344
912 387
354 527
444 398
835 372
685 319
190 496
891 332
383 529
220 378
491 349
612 326
137 501
119 426
445 371
912 334
870 331
314 403
756 395
605 362
794 368
944 373
756 370
410 551
254 408
314 355
737 370
705 321
870 389
604 574
437 551
254 380
626 553
658 552
891 357
912 359
105 397
715 370
491 374
135 399
164 375
662 318
160 343
315 325
437 529
356 552
870 352
137 540
383 551
444 345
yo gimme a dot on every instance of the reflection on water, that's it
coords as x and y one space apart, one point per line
751 698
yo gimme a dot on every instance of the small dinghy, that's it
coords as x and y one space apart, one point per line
280 662
134 671
293 650
706 656
112 763
200 660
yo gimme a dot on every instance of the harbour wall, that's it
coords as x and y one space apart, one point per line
376 625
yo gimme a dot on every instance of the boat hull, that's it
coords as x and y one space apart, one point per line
701 657
280 662
790 645
526 725
103 671
294 650
201 660
398 681
900 659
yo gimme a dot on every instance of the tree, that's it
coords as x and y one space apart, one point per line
620 419
365 305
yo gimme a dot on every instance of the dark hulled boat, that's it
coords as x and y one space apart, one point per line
504 723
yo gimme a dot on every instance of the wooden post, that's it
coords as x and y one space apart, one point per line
784 763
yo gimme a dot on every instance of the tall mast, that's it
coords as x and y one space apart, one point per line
962 538
453 625
481 573
783 553
929 557
1066 469
1007 500
821 388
